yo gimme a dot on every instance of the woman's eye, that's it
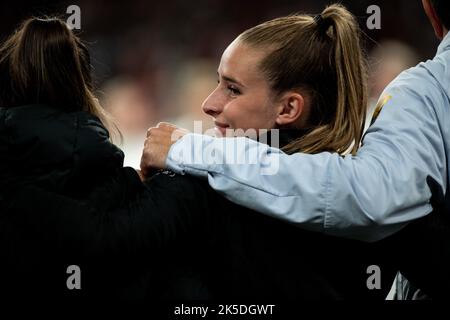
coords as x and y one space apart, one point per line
234 90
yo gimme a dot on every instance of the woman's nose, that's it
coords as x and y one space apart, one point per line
212 106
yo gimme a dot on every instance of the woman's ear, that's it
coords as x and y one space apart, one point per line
291 110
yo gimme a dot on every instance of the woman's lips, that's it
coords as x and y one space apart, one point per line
221 127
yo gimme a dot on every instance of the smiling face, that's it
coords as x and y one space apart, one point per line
243 98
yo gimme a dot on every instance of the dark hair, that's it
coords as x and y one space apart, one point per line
44 62
323 57
442 8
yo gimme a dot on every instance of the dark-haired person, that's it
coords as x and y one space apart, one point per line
399 173
54 134
192 242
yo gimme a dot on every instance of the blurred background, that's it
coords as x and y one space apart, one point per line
156 60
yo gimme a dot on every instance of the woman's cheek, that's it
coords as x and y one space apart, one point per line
231 113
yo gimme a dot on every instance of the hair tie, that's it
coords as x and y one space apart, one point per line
318 19
322 23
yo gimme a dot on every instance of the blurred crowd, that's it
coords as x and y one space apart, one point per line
156 60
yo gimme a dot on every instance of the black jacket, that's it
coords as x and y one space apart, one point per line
62 152
171 238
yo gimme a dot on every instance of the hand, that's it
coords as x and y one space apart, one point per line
157 145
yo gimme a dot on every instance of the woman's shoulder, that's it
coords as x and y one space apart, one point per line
50 125
37 112
24 116
27 123
94 144
51 142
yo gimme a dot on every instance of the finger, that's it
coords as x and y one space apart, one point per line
166 125
149 131
183 131
178 134
155 131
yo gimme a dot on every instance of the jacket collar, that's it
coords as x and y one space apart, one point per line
445 44
279 138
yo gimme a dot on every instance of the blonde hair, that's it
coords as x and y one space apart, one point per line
322 56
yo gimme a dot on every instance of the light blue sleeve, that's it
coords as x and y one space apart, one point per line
367 196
